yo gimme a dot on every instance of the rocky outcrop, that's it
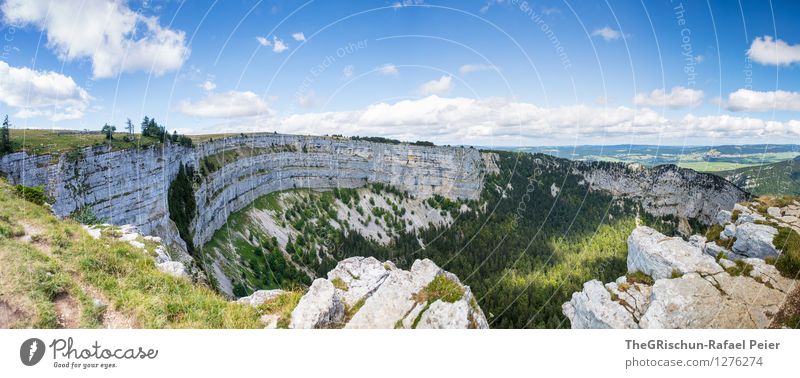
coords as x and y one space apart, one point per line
687 288
366 293
130 186
665 190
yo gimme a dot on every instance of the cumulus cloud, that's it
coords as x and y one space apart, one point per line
776 52
263 41
230 104
108 33
679 97
440 86
745 100
299 36
607 33
470 68
278 46
388 69
44 94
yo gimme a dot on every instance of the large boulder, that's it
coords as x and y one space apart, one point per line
755 240
658 256
321 307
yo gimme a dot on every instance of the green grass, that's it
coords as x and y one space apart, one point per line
741 269
42 142
63 258
282 305
441 288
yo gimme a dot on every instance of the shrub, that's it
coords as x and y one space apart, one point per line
639 277
788 262
85 215
33 194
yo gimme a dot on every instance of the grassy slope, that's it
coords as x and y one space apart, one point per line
778 179
43 259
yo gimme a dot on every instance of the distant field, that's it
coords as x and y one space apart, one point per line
42 142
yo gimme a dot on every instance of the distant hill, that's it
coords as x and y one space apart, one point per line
781 178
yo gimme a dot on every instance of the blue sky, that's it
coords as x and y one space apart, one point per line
453 72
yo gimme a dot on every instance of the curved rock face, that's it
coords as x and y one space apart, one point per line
667 189
130 186
365 293
690 289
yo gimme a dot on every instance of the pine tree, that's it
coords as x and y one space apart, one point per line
129 126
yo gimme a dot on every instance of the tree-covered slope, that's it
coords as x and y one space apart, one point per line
778 179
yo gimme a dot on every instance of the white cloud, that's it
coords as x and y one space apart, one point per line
440 86
406 3
278 45
679 97
766 50
208 86
607 33
263 41
745 100
299 36
470 68
348 71
107 32
388 69
45 94
503 121
230 104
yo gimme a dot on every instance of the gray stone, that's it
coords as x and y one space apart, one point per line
755 240
723 217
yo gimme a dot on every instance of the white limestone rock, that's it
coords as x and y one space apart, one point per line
260 296
594 308
173 268
755 240
774 212
723 217
697 240
728 232
657 255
